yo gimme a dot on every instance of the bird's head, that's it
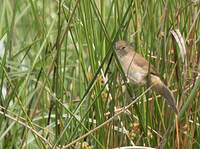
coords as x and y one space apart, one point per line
121 48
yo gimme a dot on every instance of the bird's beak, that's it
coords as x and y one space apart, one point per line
116 47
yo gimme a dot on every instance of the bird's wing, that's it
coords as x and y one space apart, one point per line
143 63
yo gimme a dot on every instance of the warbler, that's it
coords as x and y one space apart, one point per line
137 68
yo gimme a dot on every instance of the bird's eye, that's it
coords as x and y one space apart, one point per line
123 47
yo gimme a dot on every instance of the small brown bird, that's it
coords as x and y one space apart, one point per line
136 70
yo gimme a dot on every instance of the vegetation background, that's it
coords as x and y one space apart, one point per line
60 89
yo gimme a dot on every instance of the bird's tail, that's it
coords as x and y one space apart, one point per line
167 94
163 90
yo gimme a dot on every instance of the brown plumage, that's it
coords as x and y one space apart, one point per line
136 70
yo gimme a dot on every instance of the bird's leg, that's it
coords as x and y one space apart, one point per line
130 91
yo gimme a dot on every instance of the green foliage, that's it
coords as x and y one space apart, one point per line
55 87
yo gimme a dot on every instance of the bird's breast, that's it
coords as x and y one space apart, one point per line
132 71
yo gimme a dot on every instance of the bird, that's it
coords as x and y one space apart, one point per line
137 68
